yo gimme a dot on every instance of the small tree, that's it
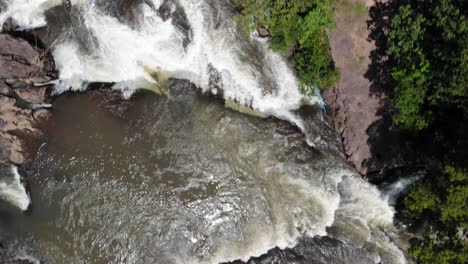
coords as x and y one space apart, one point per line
299 26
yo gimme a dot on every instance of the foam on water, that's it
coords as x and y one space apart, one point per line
159 44
12 191
26 13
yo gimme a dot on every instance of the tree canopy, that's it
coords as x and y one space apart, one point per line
428 48
441 202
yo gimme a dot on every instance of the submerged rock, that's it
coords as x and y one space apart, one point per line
109 100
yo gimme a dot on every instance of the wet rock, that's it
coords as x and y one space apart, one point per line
8 26
170 9
21 65
36 95
41 115
318 250
165 9
126 11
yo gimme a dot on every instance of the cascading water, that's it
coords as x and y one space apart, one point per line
394 190
184 180
13 191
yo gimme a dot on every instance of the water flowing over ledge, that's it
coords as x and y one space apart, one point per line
94 46
13 191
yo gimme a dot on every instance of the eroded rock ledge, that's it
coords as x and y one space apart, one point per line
23 106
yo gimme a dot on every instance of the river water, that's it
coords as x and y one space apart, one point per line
183 178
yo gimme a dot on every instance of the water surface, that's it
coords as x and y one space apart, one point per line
183 179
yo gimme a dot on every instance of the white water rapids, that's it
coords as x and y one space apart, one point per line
124 54
13 191
97 45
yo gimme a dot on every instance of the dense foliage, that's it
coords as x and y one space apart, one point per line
301 27
421 64
428 47
440 201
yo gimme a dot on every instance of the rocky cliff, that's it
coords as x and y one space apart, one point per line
362 117
23 105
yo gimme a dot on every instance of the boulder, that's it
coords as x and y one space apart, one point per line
263 32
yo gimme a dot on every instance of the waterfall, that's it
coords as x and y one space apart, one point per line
13 191
201 45
394 190
143 43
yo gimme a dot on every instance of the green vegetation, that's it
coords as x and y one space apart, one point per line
441 201
421 64
428 48
299 26
357 8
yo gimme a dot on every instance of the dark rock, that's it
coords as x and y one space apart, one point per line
172 9
8 26
318 250
165 9
126 11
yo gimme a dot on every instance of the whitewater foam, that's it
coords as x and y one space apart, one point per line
121 50
13 191
394 190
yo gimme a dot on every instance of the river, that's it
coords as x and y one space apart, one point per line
223 160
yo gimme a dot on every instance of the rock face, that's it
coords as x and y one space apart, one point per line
355 109
22 107
362 117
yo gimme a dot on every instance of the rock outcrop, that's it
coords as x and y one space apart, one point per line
362 117
354 108
23 106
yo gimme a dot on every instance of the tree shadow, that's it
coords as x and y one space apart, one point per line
379 71
392 149
396 152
